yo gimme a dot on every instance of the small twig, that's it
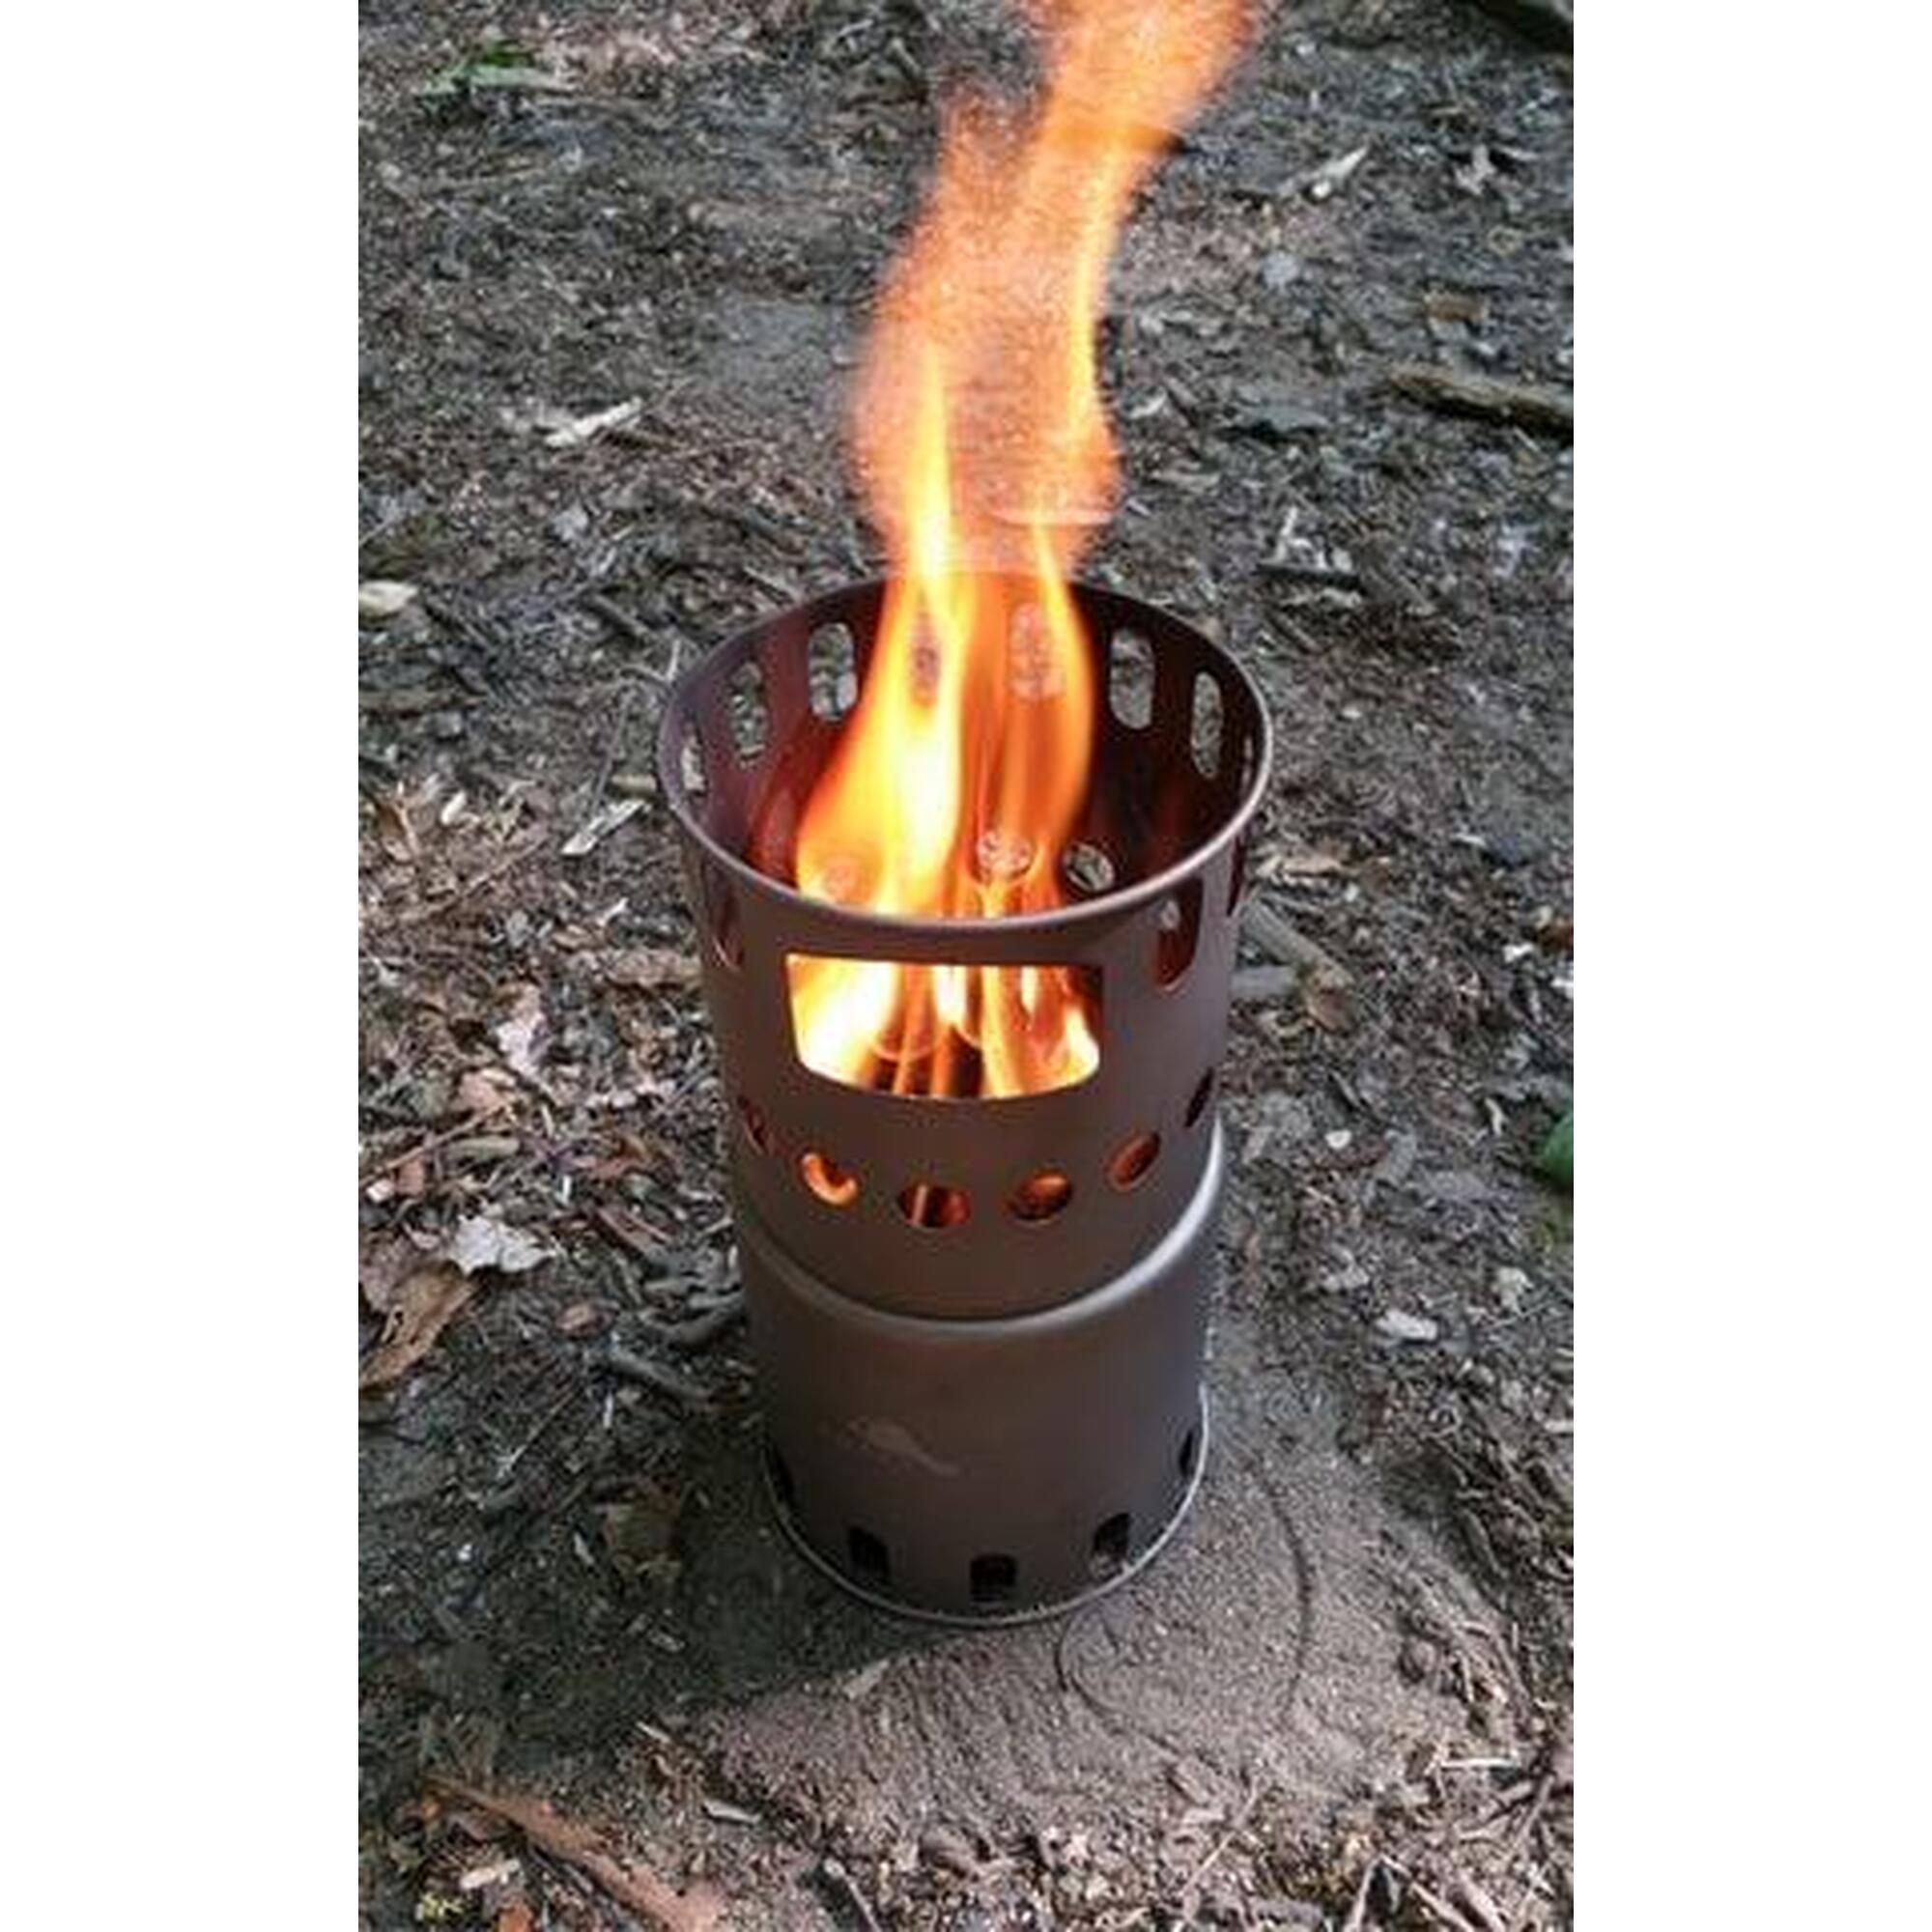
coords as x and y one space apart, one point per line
624 1228
381 527
1236 1827
607 763
631 1883
773 587
1439 1909
487 877
1276 937
508 1465
1545 1784
1358 1911
464 1127
621 621
473 632
900 56
848 1888
1526 405
740 516
1480 1904
654 1376
694 1333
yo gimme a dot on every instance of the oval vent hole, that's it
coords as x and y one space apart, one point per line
1041 1196
1110 1545
750 721
691 763
779 1472
1087 869
930 1203
1203 1092
869 1562
836 1186
1130 680
1186 1461
831 671
1130 1166
993 1578
1203 738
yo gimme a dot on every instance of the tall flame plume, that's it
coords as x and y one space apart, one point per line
982 447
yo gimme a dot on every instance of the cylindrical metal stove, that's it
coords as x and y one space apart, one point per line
978 1323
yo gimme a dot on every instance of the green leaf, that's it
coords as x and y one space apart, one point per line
503 53
1558 1150
501 63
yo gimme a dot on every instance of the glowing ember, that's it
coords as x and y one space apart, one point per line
983 444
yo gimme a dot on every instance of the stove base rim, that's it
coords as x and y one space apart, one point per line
1035 1613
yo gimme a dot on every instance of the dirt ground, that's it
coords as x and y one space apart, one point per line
1342 1697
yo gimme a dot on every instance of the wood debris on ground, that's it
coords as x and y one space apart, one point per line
1532 406
699 1908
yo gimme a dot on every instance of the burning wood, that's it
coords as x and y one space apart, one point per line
983 444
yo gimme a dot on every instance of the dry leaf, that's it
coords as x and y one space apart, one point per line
394 833
578 1317
515 1918
1479 173
486 1091
384 1267
1398 1324
520 418
1335 174
478 1877
645 968
517 1038
481 1242
1325 1000
425 1303
580 430
375 599
1306 864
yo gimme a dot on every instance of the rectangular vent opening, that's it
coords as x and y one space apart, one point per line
945 1032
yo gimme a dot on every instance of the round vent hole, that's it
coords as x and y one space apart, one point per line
927 1204
1041 1196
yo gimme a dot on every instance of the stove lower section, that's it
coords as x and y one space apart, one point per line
986 1470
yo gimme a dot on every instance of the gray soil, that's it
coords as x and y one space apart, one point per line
1341 1694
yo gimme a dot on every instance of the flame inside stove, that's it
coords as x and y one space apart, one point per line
982 447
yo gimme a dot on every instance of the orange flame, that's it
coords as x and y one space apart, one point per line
983 444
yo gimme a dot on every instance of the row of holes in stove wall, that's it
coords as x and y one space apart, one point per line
993 1578
833 684
930 1204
